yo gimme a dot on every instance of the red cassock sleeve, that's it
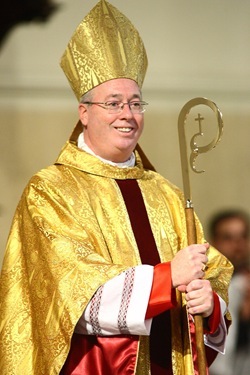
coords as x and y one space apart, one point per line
162 295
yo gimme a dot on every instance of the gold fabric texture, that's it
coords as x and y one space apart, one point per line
71 233
104 46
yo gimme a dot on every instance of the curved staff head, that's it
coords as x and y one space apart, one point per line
195 149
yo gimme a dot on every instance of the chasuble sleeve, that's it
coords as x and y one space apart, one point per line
52 267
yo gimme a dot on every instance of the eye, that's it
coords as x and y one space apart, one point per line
112 105
135 105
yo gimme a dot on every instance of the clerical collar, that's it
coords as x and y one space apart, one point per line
82 145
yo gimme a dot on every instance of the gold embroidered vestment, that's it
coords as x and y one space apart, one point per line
71 233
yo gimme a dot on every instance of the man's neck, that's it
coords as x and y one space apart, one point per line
83 146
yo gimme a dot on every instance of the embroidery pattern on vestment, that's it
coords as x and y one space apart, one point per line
94 311
125 300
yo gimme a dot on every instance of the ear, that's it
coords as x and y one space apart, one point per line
83 113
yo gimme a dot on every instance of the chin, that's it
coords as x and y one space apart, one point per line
120 157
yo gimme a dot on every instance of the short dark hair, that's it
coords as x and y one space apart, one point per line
227 215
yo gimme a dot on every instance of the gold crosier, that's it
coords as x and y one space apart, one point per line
189 209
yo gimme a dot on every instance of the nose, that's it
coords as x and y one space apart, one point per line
126 111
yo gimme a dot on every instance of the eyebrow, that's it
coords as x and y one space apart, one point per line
119 96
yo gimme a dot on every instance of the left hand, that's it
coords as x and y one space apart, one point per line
199 297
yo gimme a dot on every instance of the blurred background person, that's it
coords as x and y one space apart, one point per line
229 232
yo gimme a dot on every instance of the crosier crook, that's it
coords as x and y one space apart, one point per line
189 210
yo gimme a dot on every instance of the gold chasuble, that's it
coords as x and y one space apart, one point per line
71 233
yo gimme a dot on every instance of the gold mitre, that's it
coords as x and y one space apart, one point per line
104 46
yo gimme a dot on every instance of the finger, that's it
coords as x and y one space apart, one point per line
195 310
204 258
194 298
205 247
195 285
200 306
197 302
201 248
182 288
193 303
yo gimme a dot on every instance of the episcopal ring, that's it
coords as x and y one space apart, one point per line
204 268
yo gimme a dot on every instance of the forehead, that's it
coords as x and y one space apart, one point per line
233 225
120 87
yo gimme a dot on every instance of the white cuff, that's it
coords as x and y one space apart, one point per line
217 340
119 306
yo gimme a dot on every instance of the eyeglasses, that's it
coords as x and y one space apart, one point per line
117 107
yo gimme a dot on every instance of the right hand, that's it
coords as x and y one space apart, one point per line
188 263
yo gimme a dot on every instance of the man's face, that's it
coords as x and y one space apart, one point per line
232 240
112 136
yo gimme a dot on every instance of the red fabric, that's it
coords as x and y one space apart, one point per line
162 296
214 319
139 221
93 355
160 334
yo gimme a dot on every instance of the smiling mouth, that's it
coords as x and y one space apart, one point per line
124 130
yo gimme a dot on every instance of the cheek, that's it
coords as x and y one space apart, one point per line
140 123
